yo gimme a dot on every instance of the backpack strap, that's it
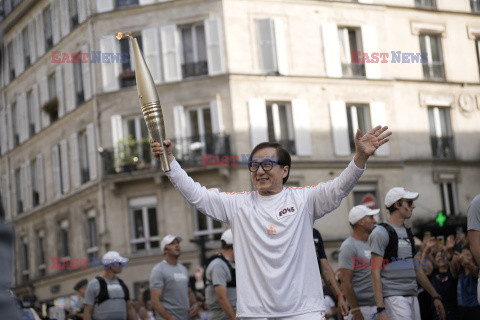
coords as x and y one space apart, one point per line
103 294
391 251
126 293
232 282
412 241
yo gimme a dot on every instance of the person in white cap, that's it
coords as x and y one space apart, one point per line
107 297
394 271
171 296
221 288
473 226
354 263
272 226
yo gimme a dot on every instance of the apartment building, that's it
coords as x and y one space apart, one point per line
76 175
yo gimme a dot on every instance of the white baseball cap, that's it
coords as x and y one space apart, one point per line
168 239
227 236
113 257
397 193
360 211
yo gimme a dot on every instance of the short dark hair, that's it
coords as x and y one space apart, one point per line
80 284
226 246
284 158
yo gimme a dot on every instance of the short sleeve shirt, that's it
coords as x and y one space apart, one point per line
114 308
219 274
474 214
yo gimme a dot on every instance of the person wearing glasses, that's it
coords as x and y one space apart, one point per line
394 271
276 269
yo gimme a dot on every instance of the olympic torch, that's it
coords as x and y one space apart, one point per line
147 93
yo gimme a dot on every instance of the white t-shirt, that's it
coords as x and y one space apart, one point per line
272 239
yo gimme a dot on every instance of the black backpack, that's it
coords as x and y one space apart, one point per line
103 294
231 283
391 251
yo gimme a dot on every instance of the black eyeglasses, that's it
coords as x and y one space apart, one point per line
266 165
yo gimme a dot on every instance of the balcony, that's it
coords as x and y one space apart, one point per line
442 148
194 69
475 5
426 4
353 70
434 71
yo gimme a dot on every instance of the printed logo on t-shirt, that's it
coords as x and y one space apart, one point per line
286 211
180 277
367 253
403 242
271 229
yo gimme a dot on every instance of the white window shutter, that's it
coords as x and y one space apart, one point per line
6 193
86 78
257 111
379 117
41 178
338 117
92 151
9 125
16 56
65 17
55 12
32 32
28 186
23 180
170 53
40 34
213 36
365 1
82 11
75 161
70 93
301 124
60 91
57 178
22 117
217 116
20 57
105 5
36 108
117 134
65 165
266 45
144 2
331 50
44 99
110 71
3 132
14 192
5 67
180 126
151 51
370 44
281 46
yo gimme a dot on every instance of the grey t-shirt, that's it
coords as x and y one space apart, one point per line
219 273
173 280
355 255
398 277
115 308
474 214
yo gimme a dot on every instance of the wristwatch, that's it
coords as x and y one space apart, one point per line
380 309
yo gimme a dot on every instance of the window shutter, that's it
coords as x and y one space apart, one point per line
9 125
87 83
117 135
378 117
338 117
180 127
65 166
28 186
57 182
23 179
213 36
110 71
40 34
331 50
36 108
82 11
14 192
266 45
92 151
217 116
16 56
5 67
75 161
32 40
60 92
44 99
257 111
55 12
281 46
22 117
70 92
301 123
105 5
144 2
151 51
370 44
6 193
3 132
19 56
65 17
170 53
365 1
41 178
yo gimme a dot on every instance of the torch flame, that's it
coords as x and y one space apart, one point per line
120 35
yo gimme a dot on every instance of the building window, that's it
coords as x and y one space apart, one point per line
475 4
73 10
41 253
34 182
477 46
280 124
31 114
47 28
127 77
26 47
11 61
143 212
199 131
358 117
78 83
83 157
25 260
441 135
126 3
194 51
92 248
18 191
137 146
63 240
448 190
15 125
350 40
53 101
206 226
433 69
430 4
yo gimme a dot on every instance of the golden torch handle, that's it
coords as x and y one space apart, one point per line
153 115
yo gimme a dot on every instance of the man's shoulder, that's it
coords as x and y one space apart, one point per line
379 232
347 243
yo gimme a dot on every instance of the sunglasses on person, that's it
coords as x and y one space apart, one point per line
266 165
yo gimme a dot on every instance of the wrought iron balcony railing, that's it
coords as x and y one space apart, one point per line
194 69
431 4
475 4
353 70
434 70
442 148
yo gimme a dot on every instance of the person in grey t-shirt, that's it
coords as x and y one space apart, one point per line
473 228
170 294
394 284
354 262
221 291
116 305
